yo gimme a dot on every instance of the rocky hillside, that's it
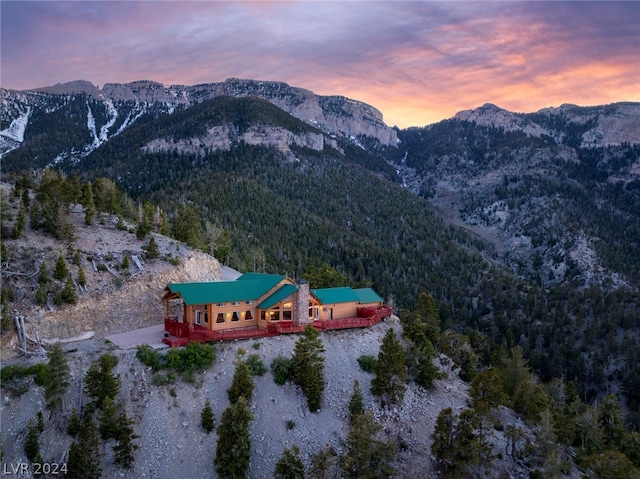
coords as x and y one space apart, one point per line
556 191
114 299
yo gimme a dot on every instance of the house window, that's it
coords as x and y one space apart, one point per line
221 305
206 318
198 316
235 303
248 315
248 302
263 315
235 316
274 314
220 318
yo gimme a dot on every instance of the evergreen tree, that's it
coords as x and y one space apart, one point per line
390 370
233 448
89 205
99 382
486 391
43 274
56 376
84 453
356 403
530 399
124 447
366 455
108 421
443 437
187 226
429 315
74 425
242 383
32 441
290 465
82 276
40 421
207 419
68 293
151 249
322 463
307 364
61 271
515 370
458 347
20 223
5 322
458 447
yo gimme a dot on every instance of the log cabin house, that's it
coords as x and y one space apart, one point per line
258 305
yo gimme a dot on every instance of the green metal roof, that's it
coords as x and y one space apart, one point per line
284 291
367 295
248 287
335 295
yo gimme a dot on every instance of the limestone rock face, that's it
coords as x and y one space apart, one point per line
333 114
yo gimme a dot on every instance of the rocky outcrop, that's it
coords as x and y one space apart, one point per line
222 138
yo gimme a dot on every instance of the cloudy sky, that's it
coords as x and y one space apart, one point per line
417 62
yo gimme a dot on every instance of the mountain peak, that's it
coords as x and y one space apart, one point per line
68 88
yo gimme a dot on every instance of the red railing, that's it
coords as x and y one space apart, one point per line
176 328
179 331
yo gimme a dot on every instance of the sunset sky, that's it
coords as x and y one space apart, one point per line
417 62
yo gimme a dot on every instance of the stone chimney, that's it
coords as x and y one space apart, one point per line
301 303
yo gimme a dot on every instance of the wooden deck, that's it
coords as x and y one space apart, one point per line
179 334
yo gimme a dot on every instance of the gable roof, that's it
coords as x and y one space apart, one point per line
367 295
281 293
248 287
335 295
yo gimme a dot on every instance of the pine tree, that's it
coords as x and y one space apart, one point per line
107 418
290 465
61 271
308 367
56 376
20 223
356 404
151 249
207 419
390 370
486 391
322 463
32 441
430 316
89 205
68 293
43 274
366 455
84 454
74 425
124 447
82 276
242 383
99 382
233 448
458 447
443 436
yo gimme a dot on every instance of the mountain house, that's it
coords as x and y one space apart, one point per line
258 305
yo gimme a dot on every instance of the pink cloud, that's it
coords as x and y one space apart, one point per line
417 62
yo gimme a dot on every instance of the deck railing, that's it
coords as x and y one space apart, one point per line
366 316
